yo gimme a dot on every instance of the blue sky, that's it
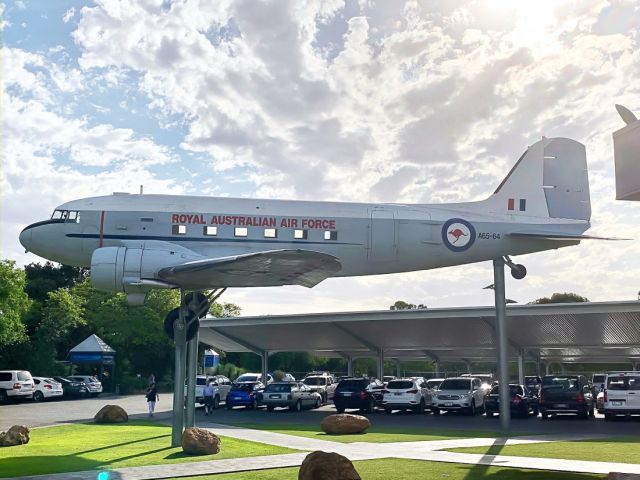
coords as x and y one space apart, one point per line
422 102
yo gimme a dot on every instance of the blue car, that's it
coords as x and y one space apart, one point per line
245 394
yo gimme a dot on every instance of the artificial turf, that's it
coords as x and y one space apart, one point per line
77 447
396 469
373 434
622 450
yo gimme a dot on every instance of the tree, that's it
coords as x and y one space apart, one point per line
562 298
42 279
402 305
14 303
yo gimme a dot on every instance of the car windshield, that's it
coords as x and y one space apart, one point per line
315 381
456 384
243 387
278 387
485 378
621 382
50 380
24 376
513 390
433 383
201 381
598 379
562 383
248 378
400 384
351 384
531 381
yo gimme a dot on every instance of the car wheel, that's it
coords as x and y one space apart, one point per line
387 410
296 407
545 415
592 412
436 411
535 411
370 406
38 396
584 415
608 417
472 408
420 408
489 414
229 406
318 403
216 402
3 396
270 408
339 409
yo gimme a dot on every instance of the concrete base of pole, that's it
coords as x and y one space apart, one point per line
192 363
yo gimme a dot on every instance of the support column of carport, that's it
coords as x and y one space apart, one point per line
521 367
380 363
501 341
264 362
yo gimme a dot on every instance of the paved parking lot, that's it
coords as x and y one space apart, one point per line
55 412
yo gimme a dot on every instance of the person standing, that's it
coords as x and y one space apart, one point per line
152 398
208 393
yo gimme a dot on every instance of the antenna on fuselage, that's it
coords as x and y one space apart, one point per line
141 189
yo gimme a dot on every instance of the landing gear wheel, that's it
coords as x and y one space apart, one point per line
173 315
38 396
518 271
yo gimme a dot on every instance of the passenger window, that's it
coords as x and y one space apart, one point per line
300 234
241 231
210 231
331 235
179 229
270 233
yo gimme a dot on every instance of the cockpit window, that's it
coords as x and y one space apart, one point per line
71 216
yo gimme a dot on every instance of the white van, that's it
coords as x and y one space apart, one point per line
16 385
622 394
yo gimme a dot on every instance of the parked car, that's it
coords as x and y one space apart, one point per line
566 394
325 385
533 382
294 395
459 394
16 385
387 378
524 401
406 394
434 383
253 377
245 394
487 380
94 386
622 394
46 388
221 386
71 388
362 393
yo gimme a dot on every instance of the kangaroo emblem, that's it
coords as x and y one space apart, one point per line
457 233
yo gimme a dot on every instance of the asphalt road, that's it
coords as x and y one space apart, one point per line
63 411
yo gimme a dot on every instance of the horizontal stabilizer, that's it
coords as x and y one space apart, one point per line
261 269
559 236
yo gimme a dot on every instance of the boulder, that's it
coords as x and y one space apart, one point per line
622 476
199 441
16 435
111 414
344 423
327 466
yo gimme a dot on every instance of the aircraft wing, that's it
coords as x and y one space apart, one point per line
260 269
558 236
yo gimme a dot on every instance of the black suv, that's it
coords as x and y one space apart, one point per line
362 393
566 394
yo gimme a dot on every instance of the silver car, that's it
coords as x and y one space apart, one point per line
294 395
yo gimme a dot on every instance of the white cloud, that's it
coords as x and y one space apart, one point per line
68 15
413 102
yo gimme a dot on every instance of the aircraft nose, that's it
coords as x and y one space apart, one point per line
26 238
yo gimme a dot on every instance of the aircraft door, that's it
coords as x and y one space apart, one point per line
382 236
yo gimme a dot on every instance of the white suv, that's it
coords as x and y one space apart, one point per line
46 388
622 394
16 385
325 385
405 393
459 394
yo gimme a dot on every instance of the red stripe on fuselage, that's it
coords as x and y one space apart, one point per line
101 228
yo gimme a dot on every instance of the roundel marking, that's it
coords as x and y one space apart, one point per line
458 235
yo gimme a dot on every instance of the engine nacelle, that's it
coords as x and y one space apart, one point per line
132 270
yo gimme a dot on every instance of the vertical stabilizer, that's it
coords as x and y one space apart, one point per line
549 180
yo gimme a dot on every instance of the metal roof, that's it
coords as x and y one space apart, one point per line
592 332
92 344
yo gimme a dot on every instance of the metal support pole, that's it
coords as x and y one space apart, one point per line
180 339
547 368
349 367
398 373
192 363
501 340
264 357
436 367
380 364
521 367
468 364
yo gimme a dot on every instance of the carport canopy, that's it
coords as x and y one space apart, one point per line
606 332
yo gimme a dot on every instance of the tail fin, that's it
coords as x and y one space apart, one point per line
549 180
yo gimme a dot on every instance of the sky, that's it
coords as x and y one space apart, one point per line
356 100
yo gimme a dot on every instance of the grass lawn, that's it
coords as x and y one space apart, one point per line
395 469
69 448
373 435
623 450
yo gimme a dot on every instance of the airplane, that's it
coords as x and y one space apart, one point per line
137 242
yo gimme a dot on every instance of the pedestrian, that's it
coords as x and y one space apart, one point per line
152 379
152 398
207 393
